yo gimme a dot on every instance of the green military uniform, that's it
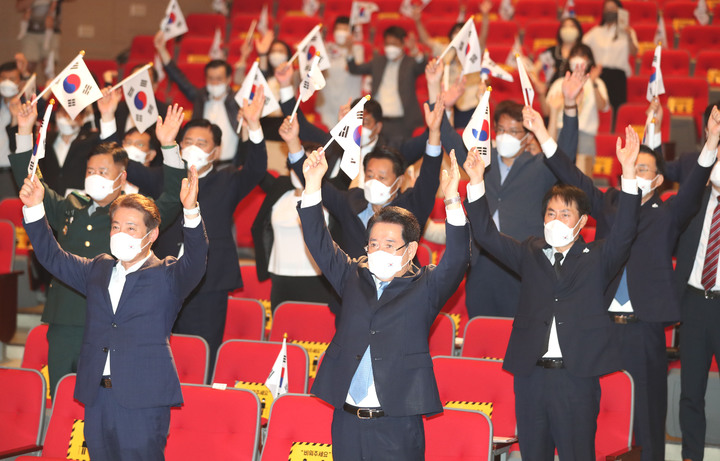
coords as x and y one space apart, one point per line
86 234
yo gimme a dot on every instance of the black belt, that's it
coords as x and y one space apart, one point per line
707 294
623 319
106 382
550 363
364 413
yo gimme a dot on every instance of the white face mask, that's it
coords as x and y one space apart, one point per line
215 91
569 34
98 188
277 58
126 247
378 193
645 185
297 184
384 265
507 145
65 127
341 36
194 156
366 135
8 88
393 52
558 234
715 175
135 154
578 64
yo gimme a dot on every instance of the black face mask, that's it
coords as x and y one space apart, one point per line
610 17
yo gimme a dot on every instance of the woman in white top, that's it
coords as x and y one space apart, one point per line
612 47
592 99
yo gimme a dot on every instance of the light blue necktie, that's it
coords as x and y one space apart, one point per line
364 375
623 295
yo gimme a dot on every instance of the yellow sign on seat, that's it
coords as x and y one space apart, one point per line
308 451
314 349
485 407
263 393
77 448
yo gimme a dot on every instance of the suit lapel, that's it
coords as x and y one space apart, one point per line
132 278
106 279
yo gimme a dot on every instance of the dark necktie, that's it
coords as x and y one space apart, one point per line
558 264
709 272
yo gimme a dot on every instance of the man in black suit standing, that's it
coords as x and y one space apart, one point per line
562 338
697 283
377 371
641 301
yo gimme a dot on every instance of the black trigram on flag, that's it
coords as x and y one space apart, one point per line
473 58
359 115
138 117
87 89
131 92
306 85
344 131
150 109
75 65
71 102
143 83
482 150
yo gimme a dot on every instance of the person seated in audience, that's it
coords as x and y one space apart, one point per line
589 102
215 102
468 99
81 222
641 302
342 86
221 190
377 372
10 84
562 339
383 168
280 251
393 83
549 63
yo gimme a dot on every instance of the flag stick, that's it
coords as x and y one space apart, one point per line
302 44
119 84
297 104
32 78
328 144
46 119
240 124
54 81
250 33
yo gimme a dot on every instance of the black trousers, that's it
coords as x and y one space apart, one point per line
643 355
64 344
555 409
391 438
203 314
116 433
616 82
700 340
304 289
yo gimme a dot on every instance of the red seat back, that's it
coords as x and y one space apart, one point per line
459 434
245 319
214 424
7 246
303 322
487 337
244 216
615 420
252 287
696 38
204 24
22 409
64 413
442 336
672 62
456 308
191 354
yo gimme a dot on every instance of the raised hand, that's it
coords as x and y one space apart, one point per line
533 121
449 181
27 116
283 74
572 86
32 191
433 118
262 45
252 111
166 130
107 105
628 155
713 127
434 71
452 94
344 109
189 189
485 7
314 169
474 166
290 133
655 108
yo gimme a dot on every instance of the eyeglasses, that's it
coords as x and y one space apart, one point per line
642 169
512 132
387 247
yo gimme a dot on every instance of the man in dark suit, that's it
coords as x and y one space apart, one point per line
696 278
81 223
213 102
377 371
393 84
384 168
126 374
641 301
562 338
221 190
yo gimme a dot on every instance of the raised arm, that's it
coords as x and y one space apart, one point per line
308 131
173 72
256 163
173 166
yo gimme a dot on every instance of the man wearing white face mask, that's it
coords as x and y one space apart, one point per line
562 339
393 83
377 372
213 102
9 88
82 224
640 301
126 376
384 169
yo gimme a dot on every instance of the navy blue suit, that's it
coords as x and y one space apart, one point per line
559 407
396 328
653 294
136 335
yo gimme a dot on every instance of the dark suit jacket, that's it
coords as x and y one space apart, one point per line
262 232
649 268
72 174
219 194
345 205
398 323
199 96
575 300
137 334
409 71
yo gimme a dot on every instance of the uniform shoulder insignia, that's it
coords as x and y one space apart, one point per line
82 197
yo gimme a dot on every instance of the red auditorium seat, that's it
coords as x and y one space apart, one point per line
646 35
501 33
7 246
487 337
615 419
195 50
204 24
696 38
439 26
634 114
11 210
303 322
641 11
244 216
458 434
527 11
252 287
240 24
606 164
681 13
588 11
35 354
191 355
245 319
456 308
441 8
442 336
294 28
22 411
672 62
540 35
142 48
707 66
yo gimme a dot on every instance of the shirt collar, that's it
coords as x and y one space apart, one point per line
121 269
